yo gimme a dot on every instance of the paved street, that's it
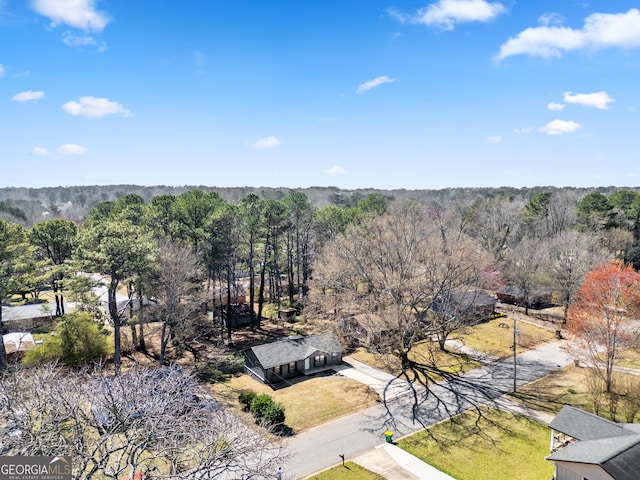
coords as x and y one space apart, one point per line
319 448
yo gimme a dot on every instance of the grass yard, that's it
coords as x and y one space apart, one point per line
492 339
350 471
549 394
571 386
308 401
424 352
630 359
500 446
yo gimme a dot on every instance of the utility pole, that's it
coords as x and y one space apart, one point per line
515 335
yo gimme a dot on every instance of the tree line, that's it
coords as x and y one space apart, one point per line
395 279
183 251
190 249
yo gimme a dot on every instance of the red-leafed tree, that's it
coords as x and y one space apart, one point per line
604 320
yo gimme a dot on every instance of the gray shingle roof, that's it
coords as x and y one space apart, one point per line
293 349
27 312
613 446
583 425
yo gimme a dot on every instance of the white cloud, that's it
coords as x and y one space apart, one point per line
376 82
40 152
72 149
1 70
494 139
72 40
523 130
559 127
27 96
446 14
92 107
556 107
335 170
599 100
75 13
600 30
267 142
551 19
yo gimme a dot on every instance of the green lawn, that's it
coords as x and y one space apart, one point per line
350 471
492 339
498 446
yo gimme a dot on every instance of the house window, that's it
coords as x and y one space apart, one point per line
293 366
319 360
334 355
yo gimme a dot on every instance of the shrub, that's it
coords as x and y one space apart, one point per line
274 414
77 340
259 404
246 398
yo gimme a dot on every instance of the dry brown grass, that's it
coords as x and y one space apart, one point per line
492 339
308 401
426 353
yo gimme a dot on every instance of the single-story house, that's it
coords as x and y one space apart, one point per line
16 343
293 356
513 295
586 446
32 317
472 307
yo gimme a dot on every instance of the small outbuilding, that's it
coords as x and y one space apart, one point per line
16 343
293 356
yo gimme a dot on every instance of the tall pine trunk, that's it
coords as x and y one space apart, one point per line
115 318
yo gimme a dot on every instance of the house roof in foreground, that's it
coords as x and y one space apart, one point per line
583 425
615 447
292 349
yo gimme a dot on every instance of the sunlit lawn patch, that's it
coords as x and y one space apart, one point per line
308 401
350 471
499 446
424 353
493 339
570 385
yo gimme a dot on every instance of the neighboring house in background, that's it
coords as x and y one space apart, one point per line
538 298
16 343
585 446
292 357
30 317
471 307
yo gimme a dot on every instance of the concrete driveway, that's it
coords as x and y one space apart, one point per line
382 382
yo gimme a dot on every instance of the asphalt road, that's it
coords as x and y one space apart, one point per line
320 447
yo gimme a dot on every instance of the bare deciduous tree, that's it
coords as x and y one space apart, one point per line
177 286
570 256
154 422
381 279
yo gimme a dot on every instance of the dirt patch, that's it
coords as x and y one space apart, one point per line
211 349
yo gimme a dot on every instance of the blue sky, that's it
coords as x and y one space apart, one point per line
353 94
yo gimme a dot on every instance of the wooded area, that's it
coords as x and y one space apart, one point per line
384 273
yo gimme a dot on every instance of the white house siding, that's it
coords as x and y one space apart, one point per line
580 471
